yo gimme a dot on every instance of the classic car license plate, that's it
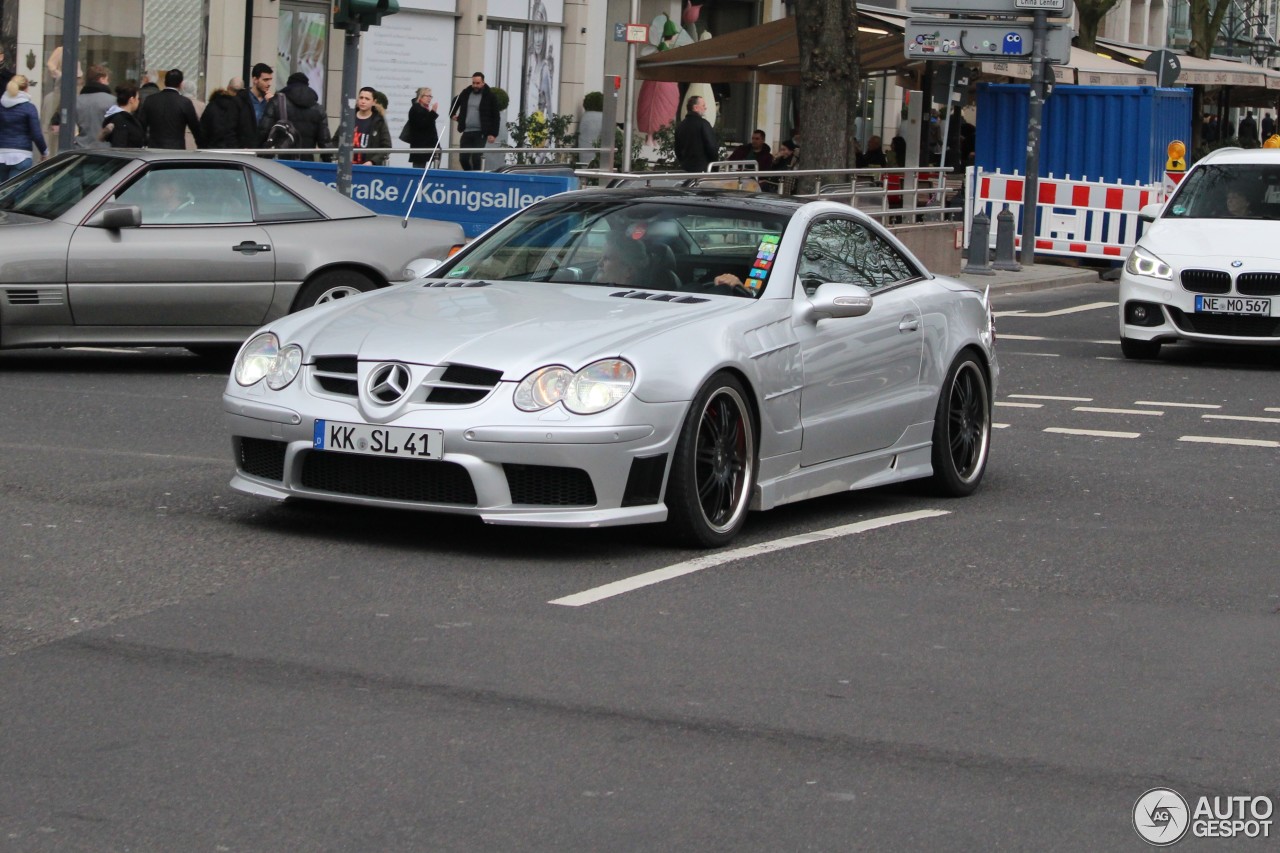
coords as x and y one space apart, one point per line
1233 305
379 440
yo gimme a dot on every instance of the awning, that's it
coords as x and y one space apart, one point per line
771 53
1085 69
1201 72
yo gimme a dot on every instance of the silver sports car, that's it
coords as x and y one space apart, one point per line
184 248
623 357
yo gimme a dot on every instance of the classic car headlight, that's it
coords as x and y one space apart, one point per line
592 389
264 358
1142 262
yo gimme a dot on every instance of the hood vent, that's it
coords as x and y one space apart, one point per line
659 297
454 283
34 296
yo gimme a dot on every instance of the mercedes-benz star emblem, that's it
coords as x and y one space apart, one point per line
388 382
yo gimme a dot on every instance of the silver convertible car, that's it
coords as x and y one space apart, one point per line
185 248
628 356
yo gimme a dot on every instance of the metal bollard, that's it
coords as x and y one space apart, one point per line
979 260
1006 256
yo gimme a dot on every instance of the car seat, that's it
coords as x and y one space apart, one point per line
663 260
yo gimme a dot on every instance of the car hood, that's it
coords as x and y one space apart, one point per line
1213 242
514 327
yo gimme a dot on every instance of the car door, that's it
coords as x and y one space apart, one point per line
197 259
861 374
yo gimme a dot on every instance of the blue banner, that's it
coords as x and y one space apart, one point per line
474 200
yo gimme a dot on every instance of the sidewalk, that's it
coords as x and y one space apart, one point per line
1041 276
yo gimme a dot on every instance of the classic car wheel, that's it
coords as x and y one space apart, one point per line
1132 348
714 467
961 428
335 284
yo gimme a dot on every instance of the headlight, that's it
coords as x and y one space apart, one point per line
592 389
1142 262
263 358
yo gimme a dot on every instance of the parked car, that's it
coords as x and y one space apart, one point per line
628 356
1207 267
185 248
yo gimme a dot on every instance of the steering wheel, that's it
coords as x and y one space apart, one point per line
710 286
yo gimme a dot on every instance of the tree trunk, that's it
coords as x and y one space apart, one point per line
827 32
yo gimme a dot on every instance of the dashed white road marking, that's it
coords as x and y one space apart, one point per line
1096 433
1102 410
1243 442
1050 397
1076 309
1247 418
1005 405
999 426
1176 405
1000 336
1039 354
1272 409
697 564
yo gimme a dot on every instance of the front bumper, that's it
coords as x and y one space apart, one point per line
1172 316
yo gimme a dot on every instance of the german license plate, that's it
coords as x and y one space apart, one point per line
1233 305
379 440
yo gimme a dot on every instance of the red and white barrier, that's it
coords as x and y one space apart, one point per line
1083 219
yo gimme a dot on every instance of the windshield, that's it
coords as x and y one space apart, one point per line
676 245
55 186
1228 191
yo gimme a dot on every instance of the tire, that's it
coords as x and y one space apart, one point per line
331 286
1132 348
961 429
714 469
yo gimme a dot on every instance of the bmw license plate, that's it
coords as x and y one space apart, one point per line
1233 305
379 440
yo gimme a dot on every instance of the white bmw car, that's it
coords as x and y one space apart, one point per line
1207 267
623 357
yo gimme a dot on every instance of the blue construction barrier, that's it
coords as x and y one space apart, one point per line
474 200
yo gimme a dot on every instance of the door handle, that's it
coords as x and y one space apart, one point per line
248 247
909 324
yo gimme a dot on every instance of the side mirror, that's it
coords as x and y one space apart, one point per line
1150 212
117 216
836 299
421 268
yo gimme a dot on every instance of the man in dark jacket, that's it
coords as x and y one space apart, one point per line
121 128
757 149
476 111
302 111
225 122
167 114
696 143
253 101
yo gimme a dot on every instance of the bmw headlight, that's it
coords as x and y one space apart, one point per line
264 358
594 388
1142 262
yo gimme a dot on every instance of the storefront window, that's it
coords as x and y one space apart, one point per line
522 56
303 44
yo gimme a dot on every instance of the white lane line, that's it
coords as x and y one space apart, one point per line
697 564
1105 411
1005 405
1038 354
1246 418
1243 442
1001 336
1176 405
1272 409
1096 433
1061 312
1050 397
999 426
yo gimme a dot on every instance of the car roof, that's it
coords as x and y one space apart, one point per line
1263 156
769 202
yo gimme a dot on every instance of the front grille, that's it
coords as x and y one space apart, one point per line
1227 325
412 480
1206 281
261 457
1258 284
337 374
549 485
461 384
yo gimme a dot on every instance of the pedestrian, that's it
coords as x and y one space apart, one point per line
92 103
476 112
149 85
420 128
788 158
6 73
301 109
873 157
188 90
370 130
166 114
696 144
756 150
1248 131
19 129
225 122
121 128
253 101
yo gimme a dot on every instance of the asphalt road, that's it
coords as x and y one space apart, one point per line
185 668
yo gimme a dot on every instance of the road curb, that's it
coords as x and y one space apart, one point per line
1014 284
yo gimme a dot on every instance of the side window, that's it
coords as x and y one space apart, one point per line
190 195
848 251
274 203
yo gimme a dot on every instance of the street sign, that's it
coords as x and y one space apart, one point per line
637 33
1166 65
979 8
972 40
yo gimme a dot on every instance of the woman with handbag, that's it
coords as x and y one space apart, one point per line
420 129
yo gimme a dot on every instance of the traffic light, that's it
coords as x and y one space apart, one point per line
366 13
